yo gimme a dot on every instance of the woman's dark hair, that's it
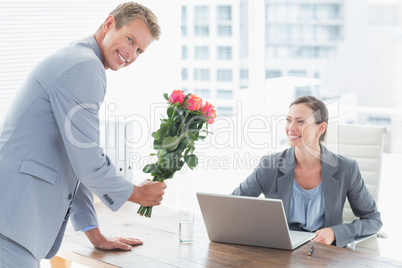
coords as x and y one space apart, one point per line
319 108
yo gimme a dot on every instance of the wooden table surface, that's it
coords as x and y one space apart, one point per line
162 248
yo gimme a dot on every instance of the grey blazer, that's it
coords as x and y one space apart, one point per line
340 179
49 142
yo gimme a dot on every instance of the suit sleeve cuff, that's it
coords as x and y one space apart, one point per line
89 227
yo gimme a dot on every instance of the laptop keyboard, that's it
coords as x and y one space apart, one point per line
296 236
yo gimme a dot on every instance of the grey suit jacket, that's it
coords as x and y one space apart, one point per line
340 179
49 141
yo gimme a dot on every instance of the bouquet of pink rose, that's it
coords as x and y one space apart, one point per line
174 141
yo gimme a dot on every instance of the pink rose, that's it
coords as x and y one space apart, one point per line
177 96
194 103
209 112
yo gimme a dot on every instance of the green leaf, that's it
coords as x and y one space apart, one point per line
170 111
191 160
181 110
176 117
186 98
170 143
166 96
192 148
201 125
182 145
157 144
167 161
149 168
172 130
191 136
197 120
160 168
180 165
159 134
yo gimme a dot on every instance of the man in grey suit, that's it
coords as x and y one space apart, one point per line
50 159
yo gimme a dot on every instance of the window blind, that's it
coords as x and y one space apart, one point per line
31 30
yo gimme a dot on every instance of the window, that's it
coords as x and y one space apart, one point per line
306 11
304 52
203 93
244 74
201 30
201 14
294 29
223 31
223 13
324 52
243 78
333 33
183 13
184 52
224 53
184 74
224 94
201 53
201 21
224 75
298 73
183 30
334 11
201 74
379 120
183 21
223 110
52 25
272 73
303 91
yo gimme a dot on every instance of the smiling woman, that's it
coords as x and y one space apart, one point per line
312 188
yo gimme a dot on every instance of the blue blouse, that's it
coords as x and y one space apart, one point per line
306 210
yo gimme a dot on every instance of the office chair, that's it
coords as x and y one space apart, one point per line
364 144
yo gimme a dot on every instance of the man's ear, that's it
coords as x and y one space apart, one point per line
109 23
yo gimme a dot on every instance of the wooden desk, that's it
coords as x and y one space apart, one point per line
162 248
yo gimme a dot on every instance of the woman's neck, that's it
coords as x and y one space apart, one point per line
307 156
308 171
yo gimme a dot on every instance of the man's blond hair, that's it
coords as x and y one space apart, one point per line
125 13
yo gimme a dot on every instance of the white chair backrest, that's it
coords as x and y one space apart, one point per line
364 144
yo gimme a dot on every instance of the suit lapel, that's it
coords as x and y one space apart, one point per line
285 179
330 184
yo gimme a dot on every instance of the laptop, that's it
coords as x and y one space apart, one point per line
249 221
